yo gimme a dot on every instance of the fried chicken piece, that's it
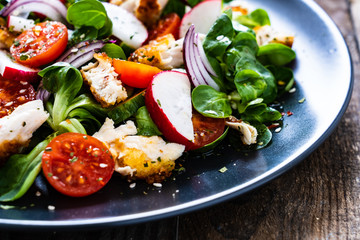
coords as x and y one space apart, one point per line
17 128
164 52
139 157
103 81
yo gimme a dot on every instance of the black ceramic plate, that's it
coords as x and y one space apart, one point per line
323 75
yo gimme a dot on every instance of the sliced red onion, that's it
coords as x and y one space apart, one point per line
81 53
86 57
53 9
43 94
186 55
202 68
193 63
202 54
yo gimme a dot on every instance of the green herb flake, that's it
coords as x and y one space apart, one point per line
24 57
158 102
222 170
85 137
159 159
99 179
16 43
301 100
50 174
146 164
151 58
6 207
74 159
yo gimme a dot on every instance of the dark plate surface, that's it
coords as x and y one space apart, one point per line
323 74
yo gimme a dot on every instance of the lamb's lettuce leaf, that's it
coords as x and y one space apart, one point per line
20 171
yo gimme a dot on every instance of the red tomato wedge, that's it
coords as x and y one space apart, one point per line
14 94
134 74
206 130
77 165
170 23
40 45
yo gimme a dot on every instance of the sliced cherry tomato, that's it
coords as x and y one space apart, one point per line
40 45
77 165
170 23
13 94
134 74
206 130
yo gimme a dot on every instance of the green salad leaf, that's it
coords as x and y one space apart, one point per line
211 103
144 123
20 171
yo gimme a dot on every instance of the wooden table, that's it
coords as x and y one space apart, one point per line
318 199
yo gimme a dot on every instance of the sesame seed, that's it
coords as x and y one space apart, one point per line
159 185
51 208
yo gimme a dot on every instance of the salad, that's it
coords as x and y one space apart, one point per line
89 89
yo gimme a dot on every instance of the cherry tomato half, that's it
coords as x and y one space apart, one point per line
40 45
170 23
135 74
13 94
77 165
206 130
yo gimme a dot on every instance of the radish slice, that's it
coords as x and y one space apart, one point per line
14 71
203 15
20 24
168 100
126 26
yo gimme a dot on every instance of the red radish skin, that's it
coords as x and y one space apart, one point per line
209 10
158 114
14 71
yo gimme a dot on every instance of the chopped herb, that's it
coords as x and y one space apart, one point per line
302 100
146 164
24 124
16 43
74 159
159 159
50 174
99 179
151 58
24 57
158 101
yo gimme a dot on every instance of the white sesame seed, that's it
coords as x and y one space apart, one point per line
9 104
278 129
132 185
159 185
51 208
38 194
292 90
74 50
103 165
22 90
